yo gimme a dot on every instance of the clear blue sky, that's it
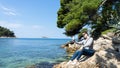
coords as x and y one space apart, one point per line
31 18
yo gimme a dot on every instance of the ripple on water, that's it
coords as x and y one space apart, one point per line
43 65
2 64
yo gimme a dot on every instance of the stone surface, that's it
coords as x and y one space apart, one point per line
71 47
116 40
106 56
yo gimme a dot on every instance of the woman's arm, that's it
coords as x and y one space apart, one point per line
80 42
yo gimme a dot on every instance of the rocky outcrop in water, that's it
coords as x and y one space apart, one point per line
107 55
71 47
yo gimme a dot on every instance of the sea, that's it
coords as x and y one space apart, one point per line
23 52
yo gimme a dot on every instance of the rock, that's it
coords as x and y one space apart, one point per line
106 37
97 48
116 40
102 44
110 34
105 56
63 46
98 60
116 45
71 47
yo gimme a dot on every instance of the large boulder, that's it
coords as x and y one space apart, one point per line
101 59
105 56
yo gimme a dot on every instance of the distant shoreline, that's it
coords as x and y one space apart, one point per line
7 37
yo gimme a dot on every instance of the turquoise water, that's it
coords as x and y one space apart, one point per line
22 52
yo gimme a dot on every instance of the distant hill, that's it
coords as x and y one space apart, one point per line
44 37
4 32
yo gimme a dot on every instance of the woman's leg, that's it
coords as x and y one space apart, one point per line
80 53
88 52
77 55
73 57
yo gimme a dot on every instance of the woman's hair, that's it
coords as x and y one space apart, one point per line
86 32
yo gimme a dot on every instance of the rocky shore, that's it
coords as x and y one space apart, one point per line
107 54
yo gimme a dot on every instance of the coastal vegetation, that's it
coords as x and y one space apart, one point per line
101 15
4 32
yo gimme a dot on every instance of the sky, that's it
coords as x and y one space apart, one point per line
31 18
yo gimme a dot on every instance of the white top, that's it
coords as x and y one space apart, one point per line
87 43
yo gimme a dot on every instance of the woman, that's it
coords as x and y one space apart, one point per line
86 50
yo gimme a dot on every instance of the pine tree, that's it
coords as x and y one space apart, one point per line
74 14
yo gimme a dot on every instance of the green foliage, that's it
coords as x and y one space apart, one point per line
74 14
90 6
73 27
108 17
4 32
116 30
109 30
